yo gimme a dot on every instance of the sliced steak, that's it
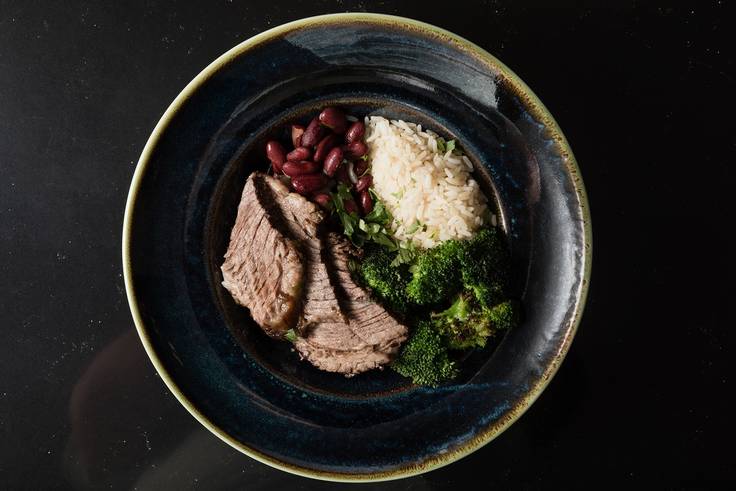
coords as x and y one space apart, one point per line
368 319
302 218
348 362
289 273
263 269
371 337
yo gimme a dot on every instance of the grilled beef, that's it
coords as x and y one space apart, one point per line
264 268
291 273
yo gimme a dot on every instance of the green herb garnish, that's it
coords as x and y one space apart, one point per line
290 336
441 145
414 227
399 194
372 227
380 213
406 253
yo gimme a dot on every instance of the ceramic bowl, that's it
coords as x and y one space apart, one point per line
254 392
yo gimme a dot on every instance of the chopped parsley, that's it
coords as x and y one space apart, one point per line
406 254
372 227
443 146
290 335
414 227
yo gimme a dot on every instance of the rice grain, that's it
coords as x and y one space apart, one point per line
421 186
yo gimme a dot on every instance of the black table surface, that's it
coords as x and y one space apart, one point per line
645 96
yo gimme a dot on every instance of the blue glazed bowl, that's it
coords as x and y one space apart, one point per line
253 392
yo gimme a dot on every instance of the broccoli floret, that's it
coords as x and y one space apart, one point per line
484 263
479 265
387 282
424 358
436 274
504 315
464 324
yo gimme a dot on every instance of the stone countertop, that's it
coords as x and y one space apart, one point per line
645 97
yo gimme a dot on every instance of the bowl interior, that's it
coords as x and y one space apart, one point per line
382 93
252 391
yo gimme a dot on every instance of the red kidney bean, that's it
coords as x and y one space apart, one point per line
324 146
364 183
323 199
296 134
355 150
313 134
293 169
343 176
276 154
308 183
333 161
299 153
359 167
350 206
366 202
334 118
355 132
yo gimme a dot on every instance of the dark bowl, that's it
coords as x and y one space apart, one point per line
253 392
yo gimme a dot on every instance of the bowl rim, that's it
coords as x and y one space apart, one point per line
532 104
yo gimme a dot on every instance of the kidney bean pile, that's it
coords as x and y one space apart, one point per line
329 150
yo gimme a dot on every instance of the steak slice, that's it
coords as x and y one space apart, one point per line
263 269
348 362
302 219
368 319
371 337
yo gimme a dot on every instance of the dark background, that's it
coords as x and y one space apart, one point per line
645 96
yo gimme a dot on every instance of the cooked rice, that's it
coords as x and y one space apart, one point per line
431 195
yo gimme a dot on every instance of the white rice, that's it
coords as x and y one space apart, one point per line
431 195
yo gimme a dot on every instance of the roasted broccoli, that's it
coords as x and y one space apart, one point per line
471 276
424 358
504 315
436 276
387 282
478 265
466 324
483 261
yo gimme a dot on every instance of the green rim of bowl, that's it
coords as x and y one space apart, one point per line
532 104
